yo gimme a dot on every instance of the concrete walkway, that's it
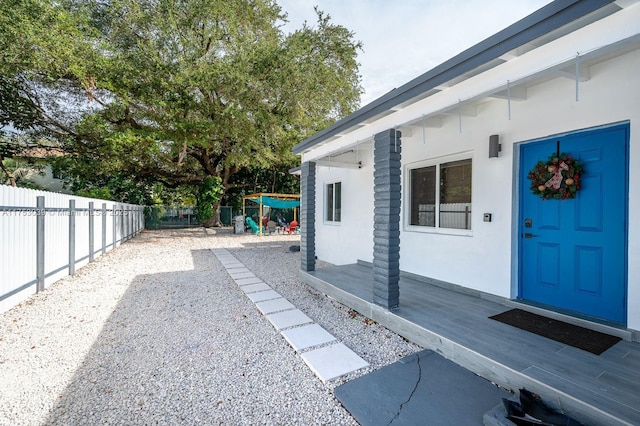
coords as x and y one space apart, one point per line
422 388
327 358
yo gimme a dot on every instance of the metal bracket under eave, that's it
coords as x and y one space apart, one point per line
339 164
582 73
517 93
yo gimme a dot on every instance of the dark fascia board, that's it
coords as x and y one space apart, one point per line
296 171
548 18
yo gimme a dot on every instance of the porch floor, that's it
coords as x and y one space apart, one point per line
596 389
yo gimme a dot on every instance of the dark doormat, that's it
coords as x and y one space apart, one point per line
421 389
569 334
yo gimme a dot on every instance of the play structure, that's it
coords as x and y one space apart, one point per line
253 225
272 202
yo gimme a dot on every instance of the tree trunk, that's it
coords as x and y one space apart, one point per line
12 178
214 220
273 185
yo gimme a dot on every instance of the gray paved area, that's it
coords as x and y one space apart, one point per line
421 389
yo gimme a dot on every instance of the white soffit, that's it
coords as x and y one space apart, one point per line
602 39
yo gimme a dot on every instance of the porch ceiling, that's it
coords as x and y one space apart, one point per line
352 158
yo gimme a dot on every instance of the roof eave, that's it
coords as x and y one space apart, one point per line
544 20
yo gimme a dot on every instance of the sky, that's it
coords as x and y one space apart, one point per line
403 39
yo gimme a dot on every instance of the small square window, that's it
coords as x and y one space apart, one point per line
333 202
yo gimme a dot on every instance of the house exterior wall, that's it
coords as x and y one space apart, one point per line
485 258
351 239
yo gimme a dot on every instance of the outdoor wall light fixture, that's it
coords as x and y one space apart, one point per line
494 146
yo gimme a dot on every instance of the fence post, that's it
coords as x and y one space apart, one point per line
113 214
104 228
72 237
122 228
91 236
40 243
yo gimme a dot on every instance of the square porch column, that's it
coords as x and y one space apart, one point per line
308 216
386 221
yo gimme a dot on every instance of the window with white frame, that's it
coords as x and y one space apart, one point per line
333 202
440 194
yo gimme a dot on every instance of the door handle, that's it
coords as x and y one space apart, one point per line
529 235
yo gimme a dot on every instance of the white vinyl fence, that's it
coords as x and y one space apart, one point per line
45 236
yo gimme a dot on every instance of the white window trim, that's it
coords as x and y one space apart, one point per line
324 202
467 155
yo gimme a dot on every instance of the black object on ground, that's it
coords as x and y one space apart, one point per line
420 389
560 331
533 411
294 248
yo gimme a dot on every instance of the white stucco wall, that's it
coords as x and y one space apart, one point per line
485 259
351 239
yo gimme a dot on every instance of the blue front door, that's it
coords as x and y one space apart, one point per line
573 251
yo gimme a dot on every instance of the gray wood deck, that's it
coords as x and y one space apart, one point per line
602 389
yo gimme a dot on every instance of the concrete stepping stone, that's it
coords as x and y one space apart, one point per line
264 295
237 269
255 287
275 305
288 319
247 281
233 265
239 275
327 362
333 361
307 336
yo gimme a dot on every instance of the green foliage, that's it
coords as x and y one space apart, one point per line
147 94
12 171
101 193
46 53
209 193
276 179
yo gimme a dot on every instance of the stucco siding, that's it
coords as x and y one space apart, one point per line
452 123
482 259
351 239
485 258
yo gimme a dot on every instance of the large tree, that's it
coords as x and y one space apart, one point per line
181 90
45 53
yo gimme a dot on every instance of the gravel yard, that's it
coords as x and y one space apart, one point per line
156 332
